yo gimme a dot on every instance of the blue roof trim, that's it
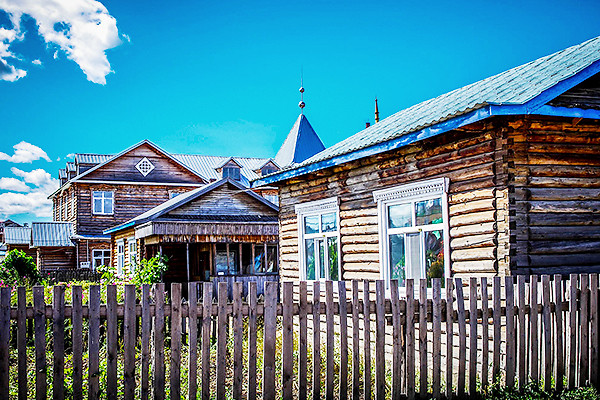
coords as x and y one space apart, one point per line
568 112
118 227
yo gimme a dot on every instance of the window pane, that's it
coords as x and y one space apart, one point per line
271 259
399 216
321 250
413 265
333 258
311 224
328 222
108 195
97 195
310 259
108 206
258 259
97 205
434 255
397 258
429 212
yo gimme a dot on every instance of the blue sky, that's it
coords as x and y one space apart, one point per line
222 77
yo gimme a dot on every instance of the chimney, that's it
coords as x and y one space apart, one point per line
368 124
376 111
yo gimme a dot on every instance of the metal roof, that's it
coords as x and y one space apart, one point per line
62 174
17 235
91 158
206 165
51 234
70 166
301 143
529 85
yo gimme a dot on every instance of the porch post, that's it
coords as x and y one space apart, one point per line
240 256
252 269
227 247
187 254
265 254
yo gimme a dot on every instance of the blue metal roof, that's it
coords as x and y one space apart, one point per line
520 90
17 235
301 143
51 234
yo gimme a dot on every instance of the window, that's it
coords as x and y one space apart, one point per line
231 172
102 202
226 260
319 239
132 253
100 257
259 265
268 169
120 256
413 231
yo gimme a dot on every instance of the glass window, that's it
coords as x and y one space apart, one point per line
226 264
329 222
100 257
310 259
268 169
102 202
231 172
132 252
399 215
311 224
428 212
120 257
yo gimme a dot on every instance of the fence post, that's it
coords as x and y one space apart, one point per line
159 341
510 327
237 339
355 342
207 300
22 343
485 333
560 360
303 345
472 336
449 336
316 340
462 337
410 339
572 329
288 339
397 347
129 341
329 364
521 332
4 340
367 338
77 339
58 344
534 369
437 337
111 341
343 310
145 350
584 348
93 341
594 329
222 321
270 331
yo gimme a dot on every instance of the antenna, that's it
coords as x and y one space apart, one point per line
301 104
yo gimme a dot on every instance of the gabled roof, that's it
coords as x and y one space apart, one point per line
91 158
185 198
17 235
521 90
230 159
51 234
301 143
206 165
70 166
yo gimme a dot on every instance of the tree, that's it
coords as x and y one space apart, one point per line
19 269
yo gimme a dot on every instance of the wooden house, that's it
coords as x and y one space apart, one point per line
498 177
18 238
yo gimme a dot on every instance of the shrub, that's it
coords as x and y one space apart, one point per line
148 271
535 391
19 269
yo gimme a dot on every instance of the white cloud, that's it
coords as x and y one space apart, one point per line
70 155
33 200
82 29
37 62
25 153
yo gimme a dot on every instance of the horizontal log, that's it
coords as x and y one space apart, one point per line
563 219
353 230
481 267
570 206
471 206
565 171
478 253
473 241
362 212
358 221
564 247
347 239
565 182
562 194
350 275
564 232
472 218
564 259
361 257
476 229
361 266
471 196
361 248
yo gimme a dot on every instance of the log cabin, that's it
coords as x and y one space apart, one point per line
499 177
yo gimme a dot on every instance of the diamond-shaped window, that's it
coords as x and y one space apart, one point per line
144 166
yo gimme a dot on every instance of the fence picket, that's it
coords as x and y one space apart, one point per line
472 336
303 342
462 337
129 341
58 342
159 341
437 336
145 342
380 340
367 338
288 339
22 345
449 337
238 332
222 322
547 331
111 341
423 368
93 341
534 367
316 314
572 330
355 342
485 318
558 318
397 342
4 341
193 341
77 341
510 327
410 339
521 331
270 333
594 330
330 335
207 300
584 348
496 319
343 311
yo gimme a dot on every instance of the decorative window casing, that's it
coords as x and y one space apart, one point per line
145 166
120 256
100 257
103 202
132 253
319 239
413 231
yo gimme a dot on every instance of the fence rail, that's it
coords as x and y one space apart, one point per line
438 342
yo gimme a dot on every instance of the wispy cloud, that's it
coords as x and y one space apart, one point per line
28 194
25 153
82 29
13 185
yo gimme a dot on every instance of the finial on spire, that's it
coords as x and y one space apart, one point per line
376 111
301 104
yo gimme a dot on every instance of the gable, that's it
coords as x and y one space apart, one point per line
223 200
155 167
584 95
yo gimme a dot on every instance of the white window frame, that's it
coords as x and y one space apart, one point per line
120 256
411 193
101 257
103 197
132 255
317 208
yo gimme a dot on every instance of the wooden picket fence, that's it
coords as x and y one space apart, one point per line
517 330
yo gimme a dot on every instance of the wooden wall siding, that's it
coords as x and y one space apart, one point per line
123 169
64 205
584 95
49 258
212 239
25 248
130 201
555 195
225 200
553 166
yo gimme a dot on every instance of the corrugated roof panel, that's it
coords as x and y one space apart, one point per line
17 235
70 166
91 158
51 234
206 165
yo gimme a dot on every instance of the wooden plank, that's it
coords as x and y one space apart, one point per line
193 341
58 342
534 368
410 339
572 330
472 336
356 365
584 349
559 337
93 342
316 385
485 318
547 320
287 339
594 356
380 339
159 341
238 332
77 341
207 299
423 368
396 343
496 319
302 343
510 327
462 337
129 342
111 341
5 341
222 321
145 342
437 337
329 341
522 361
270 331
367 339
449 337
22 344
343 311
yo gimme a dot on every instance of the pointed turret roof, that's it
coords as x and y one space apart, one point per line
301 143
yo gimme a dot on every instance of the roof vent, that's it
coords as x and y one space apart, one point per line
145 166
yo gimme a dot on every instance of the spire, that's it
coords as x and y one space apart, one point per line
301 104
301 143
376 111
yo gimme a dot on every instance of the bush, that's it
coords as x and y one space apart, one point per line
19 269
534 391
148 271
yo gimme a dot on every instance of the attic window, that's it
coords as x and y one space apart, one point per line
231 172
145 166
268 169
